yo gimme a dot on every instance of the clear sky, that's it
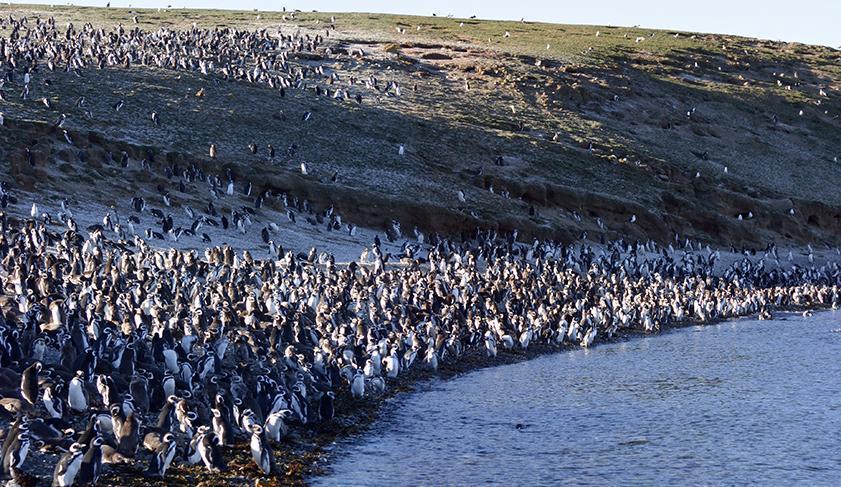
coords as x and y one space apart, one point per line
809 21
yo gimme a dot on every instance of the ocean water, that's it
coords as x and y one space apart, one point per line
743 402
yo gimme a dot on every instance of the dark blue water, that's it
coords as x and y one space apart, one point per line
741 402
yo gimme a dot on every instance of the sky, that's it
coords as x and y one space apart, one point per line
808 21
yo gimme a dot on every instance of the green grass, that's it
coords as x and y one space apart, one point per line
626 98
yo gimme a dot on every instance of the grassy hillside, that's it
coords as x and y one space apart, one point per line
550 129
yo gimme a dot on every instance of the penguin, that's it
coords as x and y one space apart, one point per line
162 458
209 453
15 455
221 427
29 383
89 469
77 394
325 409
275 426
128 435
358 385
68 466
53 402
260 451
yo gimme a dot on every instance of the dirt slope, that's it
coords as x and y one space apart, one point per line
552 130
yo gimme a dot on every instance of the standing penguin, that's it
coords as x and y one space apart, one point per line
260 451
68 466
91 463
15 455
326 409
209 453
163 457
53 402
77 395
357 388
221 427
29 383
129 435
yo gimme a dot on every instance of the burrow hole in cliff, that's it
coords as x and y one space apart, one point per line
813 220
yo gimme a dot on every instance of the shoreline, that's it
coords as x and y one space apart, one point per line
317 459
308 453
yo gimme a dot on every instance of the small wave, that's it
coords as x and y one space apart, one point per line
634 442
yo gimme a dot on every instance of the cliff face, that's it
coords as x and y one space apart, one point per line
552 129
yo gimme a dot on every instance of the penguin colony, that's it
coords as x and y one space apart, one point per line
114 351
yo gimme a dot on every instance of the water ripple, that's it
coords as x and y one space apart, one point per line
739 403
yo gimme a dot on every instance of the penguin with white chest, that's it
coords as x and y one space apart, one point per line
260 451
15 455
77 395
29 383
91 465
209 453
163 457
68 466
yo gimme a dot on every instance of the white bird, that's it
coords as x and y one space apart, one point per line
401 150
34 211
304 168
461 196
633 218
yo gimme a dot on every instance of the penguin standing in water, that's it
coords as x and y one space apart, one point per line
162 458
68 466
